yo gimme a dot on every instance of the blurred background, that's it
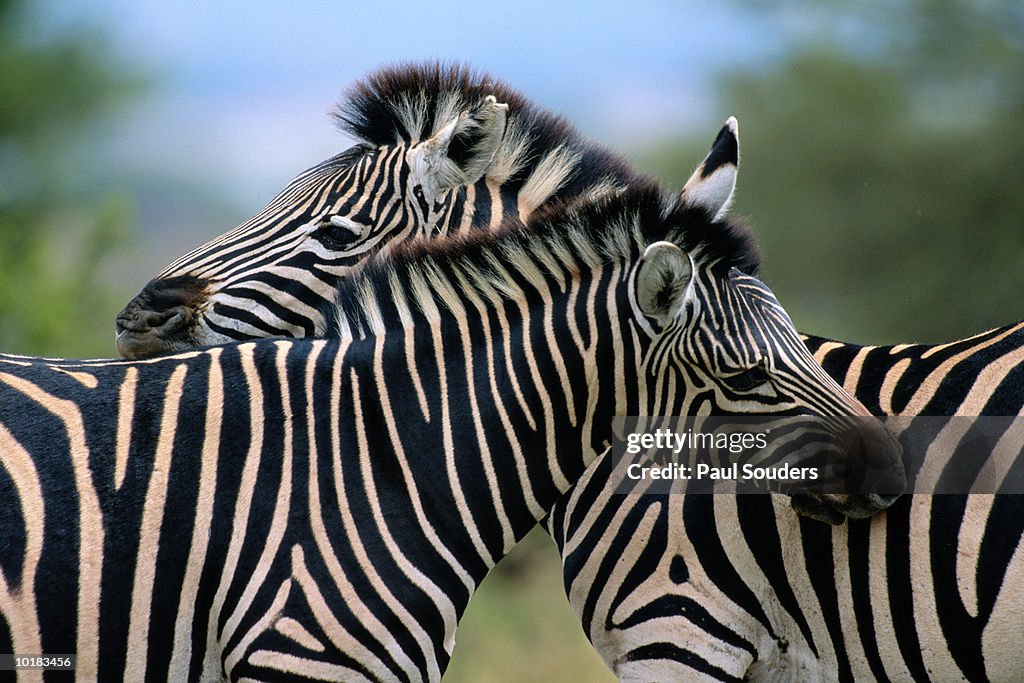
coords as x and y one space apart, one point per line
882 143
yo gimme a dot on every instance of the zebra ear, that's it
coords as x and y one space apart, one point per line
711 186
461 151
663 281
477 137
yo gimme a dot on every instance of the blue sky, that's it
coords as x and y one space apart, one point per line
242 88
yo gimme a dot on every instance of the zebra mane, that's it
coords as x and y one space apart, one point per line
412 102
427 275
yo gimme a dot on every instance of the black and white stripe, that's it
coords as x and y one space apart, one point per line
711 186
736 588
440 149
325 509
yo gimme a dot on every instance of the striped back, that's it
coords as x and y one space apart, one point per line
982 375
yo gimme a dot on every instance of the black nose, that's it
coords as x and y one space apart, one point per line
874 463
160 319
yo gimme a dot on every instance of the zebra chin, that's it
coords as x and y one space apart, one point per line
144 334
138 346
835 509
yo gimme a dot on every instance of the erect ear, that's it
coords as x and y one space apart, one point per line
460 152
663 281
712 184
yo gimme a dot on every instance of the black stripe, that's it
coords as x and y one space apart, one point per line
234 313
901 587
725 150
859 555
677 653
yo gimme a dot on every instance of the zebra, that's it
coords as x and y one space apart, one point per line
440 149
596 172
730 588
314 508
694 587
643 584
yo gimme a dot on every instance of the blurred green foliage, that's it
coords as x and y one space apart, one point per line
885 184
56 228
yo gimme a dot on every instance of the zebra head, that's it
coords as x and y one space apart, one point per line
438 154
275 274
719 331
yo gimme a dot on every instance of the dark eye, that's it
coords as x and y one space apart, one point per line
338 232
746 380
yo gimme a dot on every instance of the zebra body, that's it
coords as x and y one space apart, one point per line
294 509
262 508
735 588
982 375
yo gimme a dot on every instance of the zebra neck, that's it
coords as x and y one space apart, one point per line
505 399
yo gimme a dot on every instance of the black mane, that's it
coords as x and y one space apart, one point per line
375 111
617 225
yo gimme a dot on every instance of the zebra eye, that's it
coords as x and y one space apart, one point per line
746 380
338 232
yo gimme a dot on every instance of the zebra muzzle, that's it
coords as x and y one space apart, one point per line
869 478
142 334
160 319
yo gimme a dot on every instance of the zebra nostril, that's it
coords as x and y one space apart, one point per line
872 463
892 481
161 323
881 449
141 321
169 322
